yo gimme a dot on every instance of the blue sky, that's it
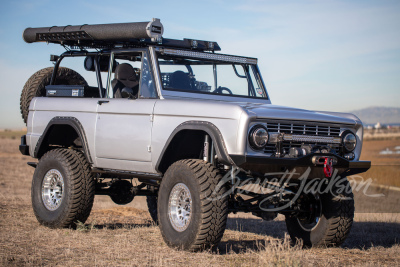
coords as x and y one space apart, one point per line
319 55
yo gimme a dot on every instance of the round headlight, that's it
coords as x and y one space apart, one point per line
349 141
258 137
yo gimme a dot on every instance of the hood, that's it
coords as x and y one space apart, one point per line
269 111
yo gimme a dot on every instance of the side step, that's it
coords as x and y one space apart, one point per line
129 174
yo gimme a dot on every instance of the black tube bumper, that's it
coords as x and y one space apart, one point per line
23 147
273 164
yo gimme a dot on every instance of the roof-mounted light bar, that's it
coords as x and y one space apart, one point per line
210 56
202 45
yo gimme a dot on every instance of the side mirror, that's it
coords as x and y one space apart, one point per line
127 92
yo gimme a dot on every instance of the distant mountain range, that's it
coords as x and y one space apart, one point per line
384 115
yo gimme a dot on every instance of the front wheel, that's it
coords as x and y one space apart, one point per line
62 189
192 207
325 220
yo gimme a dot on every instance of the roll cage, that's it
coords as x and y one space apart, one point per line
105 61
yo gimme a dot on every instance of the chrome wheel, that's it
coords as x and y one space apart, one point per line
52 189
180 207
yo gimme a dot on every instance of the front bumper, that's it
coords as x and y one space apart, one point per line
265 165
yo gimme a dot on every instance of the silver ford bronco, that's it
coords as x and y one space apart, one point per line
191 129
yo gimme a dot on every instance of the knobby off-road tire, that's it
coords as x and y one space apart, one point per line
35 86
335 220
62 189
192 185
152 207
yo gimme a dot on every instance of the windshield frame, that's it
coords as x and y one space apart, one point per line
221 59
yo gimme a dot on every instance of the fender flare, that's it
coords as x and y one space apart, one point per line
75 124
211 130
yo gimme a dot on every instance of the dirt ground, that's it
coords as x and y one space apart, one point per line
124 235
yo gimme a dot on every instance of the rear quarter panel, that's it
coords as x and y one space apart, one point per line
43 109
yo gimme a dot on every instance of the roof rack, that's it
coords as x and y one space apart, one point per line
111 36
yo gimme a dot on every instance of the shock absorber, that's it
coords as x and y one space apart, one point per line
206 149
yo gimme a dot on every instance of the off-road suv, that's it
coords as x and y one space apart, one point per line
192 130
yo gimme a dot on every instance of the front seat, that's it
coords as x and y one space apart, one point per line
180 80
125 76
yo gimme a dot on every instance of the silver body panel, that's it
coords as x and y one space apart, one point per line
125 134
130 135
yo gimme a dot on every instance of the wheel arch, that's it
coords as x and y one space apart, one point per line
71 129
192 128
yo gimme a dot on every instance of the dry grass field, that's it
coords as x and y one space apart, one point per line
124 235
385 168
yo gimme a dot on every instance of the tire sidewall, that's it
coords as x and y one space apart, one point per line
331 213
45 216
313 236
179 173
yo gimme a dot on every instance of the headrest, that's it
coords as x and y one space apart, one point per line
125 71
180 80
177 75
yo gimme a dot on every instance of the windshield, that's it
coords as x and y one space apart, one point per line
210 77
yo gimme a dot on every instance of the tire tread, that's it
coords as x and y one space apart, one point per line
35 86
214 208
82 187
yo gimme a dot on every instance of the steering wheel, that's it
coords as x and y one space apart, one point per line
220 90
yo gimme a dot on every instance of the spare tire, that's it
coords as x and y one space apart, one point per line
35 86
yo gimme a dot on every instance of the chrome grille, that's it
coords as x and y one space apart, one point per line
301 129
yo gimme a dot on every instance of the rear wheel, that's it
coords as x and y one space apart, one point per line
62 189
192 207
35 86
326 219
